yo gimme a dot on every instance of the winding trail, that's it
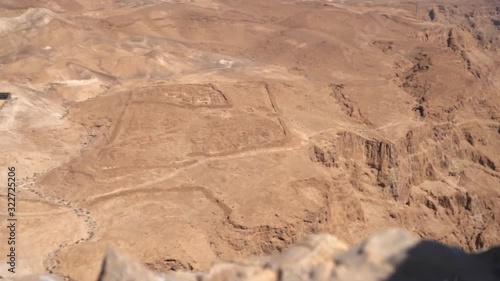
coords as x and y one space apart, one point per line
151 183
249 153
51 264
294 140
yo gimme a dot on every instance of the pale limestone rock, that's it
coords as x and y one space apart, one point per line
393 255
396 256
118 267
230 272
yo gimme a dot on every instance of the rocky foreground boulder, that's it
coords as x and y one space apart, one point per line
394 255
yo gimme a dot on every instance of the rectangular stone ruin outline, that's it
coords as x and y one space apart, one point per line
227 104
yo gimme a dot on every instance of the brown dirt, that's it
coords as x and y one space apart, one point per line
185 132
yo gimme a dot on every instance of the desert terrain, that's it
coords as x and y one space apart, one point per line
190 131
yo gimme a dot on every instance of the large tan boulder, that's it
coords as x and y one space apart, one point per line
393 255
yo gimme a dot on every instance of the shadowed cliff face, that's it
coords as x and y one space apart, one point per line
187 132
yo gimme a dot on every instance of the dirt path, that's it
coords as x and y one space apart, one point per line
51 264
151 183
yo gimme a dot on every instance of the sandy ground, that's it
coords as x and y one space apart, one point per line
185 132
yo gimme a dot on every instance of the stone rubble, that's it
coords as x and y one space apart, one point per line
393 255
